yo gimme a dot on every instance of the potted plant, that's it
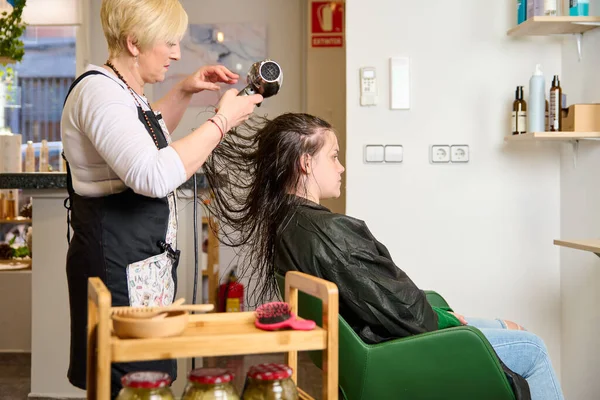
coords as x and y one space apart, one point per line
11 52
11 29
8 87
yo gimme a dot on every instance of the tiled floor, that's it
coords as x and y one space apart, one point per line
15 373
14 376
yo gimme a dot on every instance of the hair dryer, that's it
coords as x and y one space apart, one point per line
265 78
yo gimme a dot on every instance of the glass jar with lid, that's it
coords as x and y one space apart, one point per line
146 385
210 384
270 382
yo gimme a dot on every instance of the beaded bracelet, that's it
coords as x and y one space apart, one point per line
218 127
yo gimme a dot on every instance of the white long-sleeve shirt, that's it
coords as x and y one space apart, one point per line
108 148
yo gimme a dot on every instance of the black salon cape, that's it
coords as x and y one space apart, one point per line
377 299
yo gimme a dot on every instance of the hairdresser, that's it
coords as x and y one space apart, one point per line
123 166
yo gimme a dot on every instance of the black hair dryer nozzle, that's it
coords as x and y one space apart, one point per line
265 78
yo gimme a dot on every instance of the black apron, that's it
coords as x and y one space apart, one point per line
128 240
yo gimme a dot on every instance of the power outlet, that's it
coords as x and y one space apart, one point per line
459 153
440 154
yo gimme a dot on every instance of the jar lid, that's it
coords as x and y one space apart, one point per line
270 372
146 380
210 376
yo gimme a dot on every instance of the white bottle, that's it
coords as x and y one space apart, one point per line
62 164
551 7
29 157
536 107
43 161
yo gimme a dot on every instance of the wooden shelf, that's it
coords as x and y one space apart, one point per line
542 26
15 265
26 271
592 245
214 334
212 260
15 221
553 136
205 272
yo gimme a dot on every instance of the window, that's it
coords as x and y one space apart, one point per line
43 76
34 99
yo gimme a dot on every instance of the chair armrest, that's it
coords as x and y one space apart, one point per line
460 360
435 299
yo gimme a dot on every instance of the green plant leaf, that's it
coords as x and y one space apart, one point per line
11 29
21 252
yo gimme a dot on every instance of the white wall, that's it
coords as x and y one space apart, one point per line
480 233
580 218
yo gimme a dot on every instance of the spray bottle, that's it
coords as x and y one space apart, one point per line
537 101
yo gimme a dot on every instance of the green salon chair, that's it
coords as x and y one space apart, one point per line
455 363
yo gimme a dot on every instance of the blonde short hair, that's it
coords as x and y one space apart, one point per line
147 21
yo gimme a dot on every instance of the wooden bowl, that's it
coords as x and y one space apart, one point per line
172 325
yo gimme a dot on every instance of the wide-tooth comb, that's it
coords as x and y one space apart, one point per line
278 315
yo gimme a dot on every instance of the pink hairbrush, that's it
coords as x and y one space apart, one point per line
278 315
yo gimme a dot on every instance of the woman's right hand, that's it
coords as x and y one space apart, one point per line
459 317
237 109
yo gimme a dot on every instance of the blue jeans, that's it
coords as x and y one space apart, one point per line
524 353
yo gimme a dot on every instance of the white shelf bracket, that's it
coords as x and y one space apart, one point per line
575 144
579 38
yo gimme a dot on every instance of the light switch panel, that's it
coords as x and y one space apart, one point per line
374 153
399 83
393 153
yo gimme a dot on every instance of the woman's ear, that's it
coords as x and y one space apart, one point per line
305 163
132 46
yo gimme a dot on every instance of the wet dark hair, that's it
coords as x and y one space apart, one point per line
252 174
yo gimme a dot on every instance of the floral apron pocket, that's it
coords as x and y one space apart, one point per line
150 282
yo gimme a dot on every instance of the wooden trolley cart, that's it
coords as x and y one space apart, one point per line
215 334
